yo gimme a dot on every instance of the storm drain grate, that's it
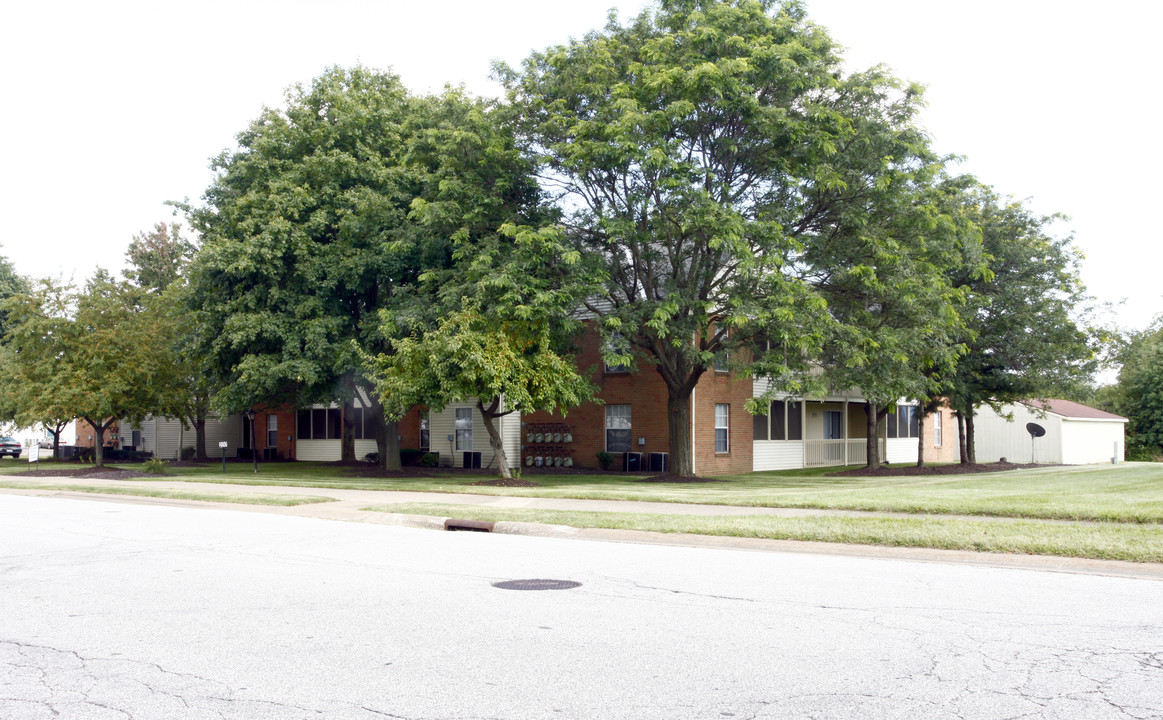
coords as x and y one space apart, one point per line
536 584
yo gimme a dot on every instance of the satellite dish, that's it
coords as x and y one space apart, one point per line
1035 430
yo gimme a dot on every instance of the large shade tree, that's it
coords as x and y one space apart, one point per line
305 239
1024 320
696 150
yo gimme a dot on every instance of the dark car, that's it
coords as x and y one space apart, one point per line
10 446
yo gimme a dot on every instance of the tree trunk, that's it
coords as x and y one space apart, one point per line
199 438
488 415
99 445
961 438
56 441
970 442
388 444
678 420
921 436
347 444
872 443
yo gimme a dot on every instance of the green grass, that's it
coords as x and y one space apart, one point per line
1127 493
1098 540
242 498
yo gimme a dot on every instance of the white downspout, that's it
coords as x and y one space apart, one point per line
694 469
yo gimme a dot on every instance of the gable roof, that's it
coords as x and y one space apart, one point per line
1072 410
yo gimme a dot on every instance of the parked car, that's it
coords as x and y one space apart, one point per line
10 446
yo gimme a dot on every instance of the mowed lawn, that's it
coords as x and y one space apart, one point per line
1127 493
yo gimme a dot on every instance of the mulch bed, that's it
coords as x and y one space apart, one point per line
511 482
677 479
955 469
90 473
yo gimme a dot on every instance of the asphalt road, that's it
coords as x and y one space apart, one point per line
116 610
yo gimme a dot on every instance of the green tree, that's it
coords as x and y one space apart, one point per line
1138 394
305 238
507 345
159 257
1024 335
698 150
92 354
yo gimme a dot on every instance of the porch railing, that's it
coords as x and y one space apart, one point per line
824 453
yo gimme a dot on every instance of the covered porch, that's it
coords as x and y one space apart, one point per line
829 432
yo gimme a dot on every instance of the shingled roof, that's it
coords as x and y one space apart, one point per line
1072 410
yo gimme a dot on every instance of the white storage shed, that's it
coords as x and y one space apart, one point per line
1076 434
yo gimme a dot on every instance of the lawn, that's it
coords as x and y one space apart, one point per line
1127 493
139 491
1099 540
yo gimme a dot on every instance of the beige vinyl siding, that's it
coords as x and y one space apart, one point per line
320 450
160 436
996 437
777 455
442 424
900 450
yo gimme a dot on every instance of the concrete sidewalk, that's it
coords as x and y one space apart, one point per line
348 506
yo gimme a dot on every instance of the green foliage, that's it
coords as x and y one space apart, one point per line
159 257
98 353
154 466
1023 334
1138 394
429 460
702 149
605 459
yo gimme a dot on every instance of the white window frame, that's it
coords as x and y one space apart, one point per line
722 425
620 417
272 430
463 431
937 428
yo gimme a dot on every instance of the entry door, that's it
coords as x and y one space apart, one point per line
832 425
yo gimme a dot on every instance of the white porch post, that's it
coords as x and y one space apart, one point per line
844 434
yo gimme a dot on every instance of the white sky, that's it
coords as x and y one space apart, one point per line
113 108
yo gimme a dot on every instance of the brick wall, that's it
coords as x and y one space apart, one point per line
645 392
733 390
948 451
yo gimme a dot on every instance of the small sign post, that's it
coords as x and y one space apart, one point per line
222 445
34 453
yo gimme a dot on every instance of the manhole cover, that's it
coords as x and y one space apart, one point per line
536 584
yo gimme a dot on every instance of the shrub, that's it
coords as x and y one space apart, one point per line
409 456
429 460
154 466
372 457
187 453
605 459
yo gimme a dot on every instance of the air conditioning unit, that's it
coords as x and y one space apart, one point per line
472 459
659 462
632 462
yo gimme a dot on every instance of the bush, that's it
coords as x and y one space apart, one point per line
372 457
605 459
429 460
154 466
1142 452
187 453
410 457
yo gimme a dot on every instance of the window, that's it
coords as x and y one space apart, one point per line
425 435
617 428
617 344
721 359
795 420
722 425
272 430
778 420
903 423
937 429
246 432
832 425
760 430
318 424
463 429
